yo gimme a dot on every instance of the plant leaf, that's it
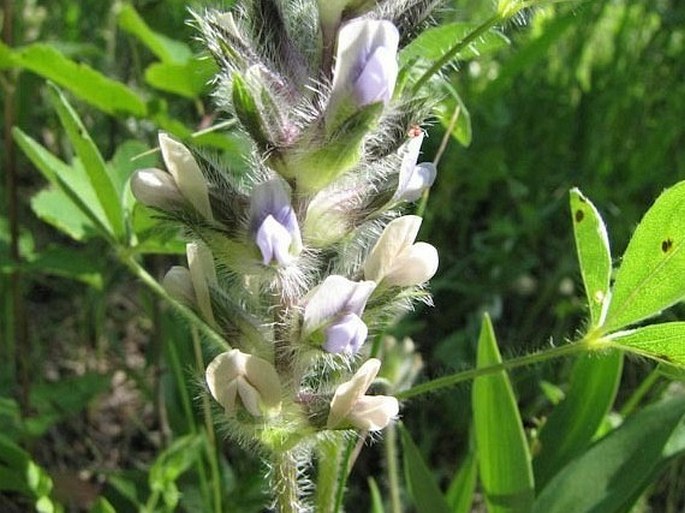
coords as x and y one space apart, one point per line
594 255
664 342
434 42
165 48
92 161
189 79
376 499
611 475
91 86
503 454
652 274
54 207
570 428
461 492
422 487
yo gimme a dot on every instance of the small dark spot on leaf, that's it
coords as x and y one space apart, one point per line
582 199
664 357
666 245
579 216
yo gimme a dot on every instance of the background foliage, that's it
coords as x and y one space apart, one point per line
95 385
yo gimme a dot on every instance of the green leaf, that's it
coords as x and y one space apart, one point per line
664 342
247 111
102 505
68 263
376 499
434 42
54 207
72 181
92 161
503 455
594 256
91 86
190 79
422 487
570 428
7 58
611 475
461 492
460 121
652 274
166 49
173 462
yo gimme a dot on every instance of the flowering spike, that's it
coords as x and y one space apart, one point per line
235 374
350 405
189 179
156 188
274 224
396 261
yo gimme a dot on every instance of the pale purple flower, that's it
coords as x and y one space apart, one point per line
413 178
366 62
336 307
273 223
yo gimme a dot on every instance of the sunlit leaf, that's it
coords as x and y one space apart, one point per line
91 86
189 79
54 207
462 489
665 342
92 161
652 274
456 115
611 475
569 430
422 487
594 256
503 455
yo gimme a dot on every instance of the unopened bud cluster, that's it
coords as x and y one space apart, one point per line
304 259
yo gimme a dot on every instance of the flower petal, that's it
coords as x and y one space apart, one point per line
334 296
416 265
346 335
187 175
373 412
274 242
156 188
179 285
347 394
397 236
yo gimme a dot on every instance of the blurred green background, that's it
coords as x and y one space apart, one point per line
588 94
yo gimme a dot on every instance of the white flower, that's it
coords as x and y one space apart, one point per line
203 275
366 62
397 260
179 285
350 405
156 188
186 173
414 179
254 381
336 307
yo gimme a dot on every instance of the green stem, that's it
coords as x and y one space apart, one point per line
641 391
453 379
284 483
194 320
392 462
343 473
329 467
452 52
209 427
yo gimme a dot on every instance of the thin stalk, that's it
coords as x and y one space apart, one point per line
344 471
209 427
523 361
194 320
284 483
641 392
329 467
392 462
452 52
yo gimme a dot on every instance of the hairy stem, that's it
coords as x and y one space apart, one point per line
284 483
392 462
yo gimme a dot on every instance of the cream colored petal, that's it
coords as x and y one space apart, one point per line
416 265
347 394
263 376
221 374
203 273
187 175
249 396
179 285
373 412
398 235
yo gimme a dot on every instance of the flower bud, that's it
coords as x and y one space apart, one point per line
396 260
336 307
186 173
413 178
274 224
366 62
254 381
156 188
202 274
179 285
351 406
